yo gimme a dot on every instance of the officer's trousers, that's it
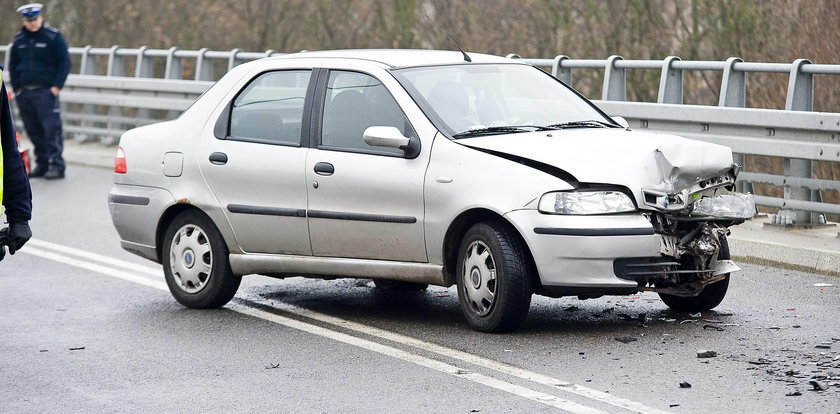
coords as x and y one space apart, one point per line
41 115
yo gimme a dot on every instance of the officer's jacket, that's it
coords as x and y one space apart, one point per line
17 196
39 58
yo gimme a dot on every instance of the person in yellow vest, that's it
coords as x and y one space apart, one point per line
14 183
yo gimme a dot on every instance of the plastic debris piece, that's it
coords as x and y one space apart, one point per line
793 394
713 328
823 346
673 405
78 348
761 361
703 353
685 385
817 386
687 321
823 285
272 366
790 309
626 339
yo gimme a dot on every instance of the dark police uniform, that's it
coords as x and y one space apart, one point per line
38 61
16 193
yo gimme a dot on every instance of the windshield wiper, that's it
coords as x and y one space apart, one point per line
583 124
502 130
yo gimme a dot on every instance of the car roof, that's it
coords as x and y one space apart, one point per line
397 58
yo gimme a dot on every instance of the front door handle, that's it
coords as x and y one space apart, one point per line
218 158
324 168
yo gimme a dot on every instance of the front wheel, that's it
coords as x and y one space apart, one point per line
493 278
195 262
711 296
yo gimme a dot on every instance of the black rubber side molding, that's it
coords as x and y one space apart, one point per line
643 231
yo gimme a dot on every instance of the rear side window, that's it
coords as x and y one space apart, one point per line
270 108
354 102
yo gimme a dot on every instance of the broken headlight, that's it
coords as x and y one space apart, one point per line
586 202
735 205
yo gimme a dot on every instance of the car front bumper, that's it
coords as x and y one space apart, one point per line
578 252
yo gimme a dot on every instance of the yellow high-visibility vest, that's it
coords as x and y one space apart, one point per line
1 160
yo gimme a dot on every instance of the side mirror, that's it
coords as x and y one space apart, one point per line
390 137
621 121
384 136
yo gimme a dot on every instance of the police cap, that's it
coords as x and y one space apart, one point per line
30 11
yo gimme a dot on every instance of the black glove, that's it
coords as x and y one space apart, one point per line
15 236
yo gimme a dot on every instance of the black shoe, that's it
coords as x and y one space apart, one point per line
54 174
38 172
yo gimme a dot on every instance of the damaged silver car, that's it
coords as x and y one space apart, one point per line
424 167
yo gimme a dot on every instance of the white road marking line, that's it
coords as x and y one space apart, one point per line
401 339
61 258
405 340
501 385
502 367
97 257
498 384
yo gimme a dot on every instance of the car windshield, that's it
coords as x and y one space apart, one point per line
483 99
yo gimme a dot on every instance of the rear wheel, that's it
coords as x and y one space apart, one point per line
711 296
493 278
195 262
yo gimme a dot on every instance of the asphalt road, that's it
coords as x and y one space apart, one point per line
87 327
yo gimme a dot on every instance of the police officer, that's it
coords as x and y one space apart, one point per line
14 186
39 65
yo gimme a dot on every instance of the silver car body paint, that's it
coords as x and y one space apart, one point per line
446 179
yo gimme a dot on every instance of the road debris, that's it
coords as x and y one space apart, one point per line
272 366
823 285
761 361
626 339
78 348
704 353
793 394
685 385
817 386
713 327
696 315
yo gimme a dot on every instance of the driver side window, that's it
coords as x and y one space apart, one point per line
354 102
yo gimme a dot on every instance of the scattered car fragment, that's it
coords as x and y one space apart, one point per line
417 168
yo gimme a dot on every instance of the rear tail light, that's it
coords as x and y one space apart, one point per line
119 162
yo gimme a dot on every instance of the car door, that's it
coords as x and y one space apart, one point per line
254 165
364 201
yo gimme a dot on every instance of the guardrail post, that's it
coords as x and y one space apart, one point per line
87 66
144 68
800 97
174 66
615 81
559 72
670 83
116 63
733 93
203 66
116 67
233 60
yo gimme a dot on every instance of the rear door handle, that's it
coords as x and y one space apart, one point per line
324 168
218 158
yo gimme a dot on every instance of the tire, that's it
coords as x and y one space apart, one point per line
493 278
399 286
196 264
711 296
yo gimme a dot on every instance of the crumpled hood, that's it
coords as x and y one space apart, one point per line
637 160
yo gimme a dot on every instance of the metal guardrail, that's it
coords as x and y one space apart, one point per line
115 89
